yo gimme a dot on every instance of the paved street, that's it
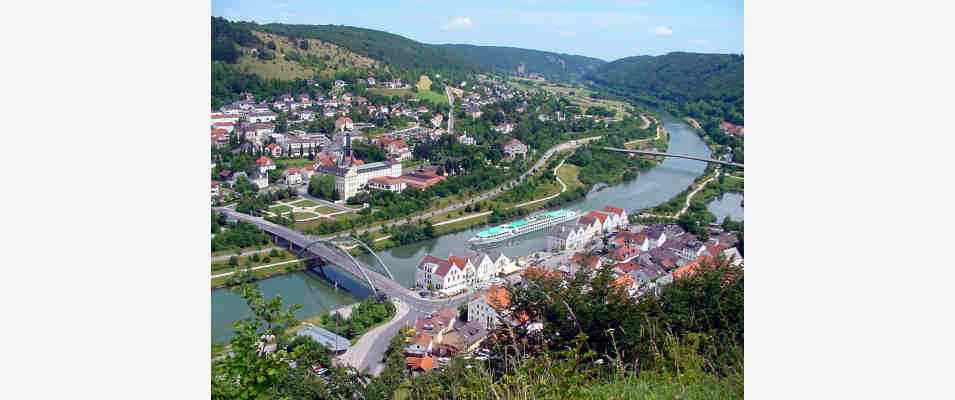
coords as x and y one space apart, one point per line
568 145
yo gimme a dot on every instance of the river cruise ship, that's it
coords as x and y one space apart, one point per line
522 226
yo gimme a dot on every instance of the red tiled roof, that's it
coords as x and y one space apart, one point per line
614 210
586 260
690 268
497 297
460 262
263 161
598 215
425 363
443 265
386 180
626 267
624 280
514 142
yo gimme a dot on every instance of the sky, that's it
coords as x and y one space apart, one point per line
606 29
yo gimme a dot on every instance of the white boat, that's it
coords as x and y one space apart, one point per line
523 226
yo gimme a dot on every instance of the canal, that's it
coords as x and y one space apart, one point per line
649 189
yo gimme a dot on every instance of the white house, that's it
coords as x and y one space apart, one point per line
514 148
616 218
506 127
260 181
389 183
293 177
440 275
263 116
264 165
568 236
485 266
489 308
465 139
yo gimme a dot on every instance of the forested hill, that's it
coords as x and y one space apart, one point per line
698 84
555 66
382 46
399 51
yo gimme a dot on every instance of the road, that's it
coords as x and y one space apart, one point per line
451 110
225 257
568 145
379 341
257 268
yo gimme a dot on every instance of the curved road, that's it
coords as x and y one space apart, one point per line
370 354
568 145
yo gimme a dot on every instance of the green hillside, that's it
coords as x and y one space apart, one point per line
555 66
408 54
702 84
383 46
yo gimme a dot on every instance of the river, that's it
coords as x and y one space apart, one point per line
649 189
727 205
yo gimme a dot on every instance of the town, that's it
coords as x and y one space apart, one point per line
642 259
422 213
325 128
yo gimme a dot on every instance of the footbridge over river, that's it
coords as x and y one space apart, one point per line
661 154
309 247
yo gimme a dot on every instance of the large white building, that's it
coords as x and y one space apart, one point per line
441 275
568 236
352 175
463 269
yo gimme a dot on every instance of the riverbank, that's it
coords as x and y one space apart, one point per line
650 188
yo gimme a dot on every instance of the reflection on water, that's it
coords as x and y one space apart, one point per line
314 294
729 204
649 189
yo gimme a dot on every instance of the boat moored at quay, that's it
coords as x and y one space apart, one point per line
523 226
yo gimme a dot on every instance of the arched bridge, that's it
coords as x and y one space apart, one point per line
660 154
308 247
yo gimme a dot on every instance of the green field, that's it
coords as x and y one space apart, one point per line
392 92
326 210
304 203
280 209
303 215
432 96
568 174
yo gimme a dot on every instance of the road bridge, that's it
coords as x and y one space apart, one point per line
661 154
369 355
308 246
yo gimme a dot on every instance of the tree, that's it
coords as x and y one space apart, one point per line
233 261
266 361
323 186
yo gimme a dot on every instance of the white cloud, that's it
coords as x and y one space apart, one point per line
661 31
457 23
